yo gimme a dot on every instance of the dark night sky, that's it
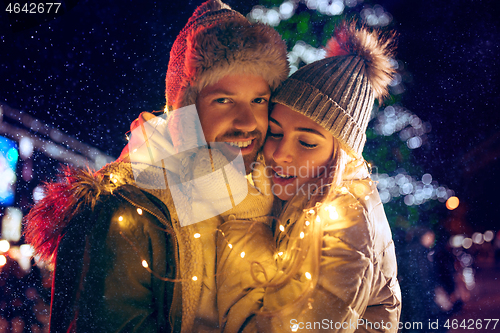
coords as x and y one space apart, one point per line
90 71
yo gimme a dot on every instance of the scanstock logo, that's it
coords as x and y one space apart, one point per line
170 150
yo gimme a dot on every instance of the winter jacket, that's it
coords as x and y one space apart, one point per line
353 273
123 263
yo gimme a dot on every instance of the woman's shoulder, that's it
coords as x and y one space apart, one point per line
346 214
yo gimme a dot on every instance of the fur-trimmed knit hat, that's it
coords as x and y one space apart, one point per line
218 41
338 92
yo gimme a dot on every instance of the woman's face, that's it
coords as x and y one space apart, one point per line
298 151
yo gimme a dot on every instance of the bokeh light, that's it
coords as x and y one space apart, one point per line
452 203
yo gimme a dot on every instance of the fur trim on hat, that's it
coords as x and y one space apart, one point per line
217 42
234 48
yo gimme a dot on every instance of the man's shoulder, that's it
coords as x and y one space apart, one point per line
77 193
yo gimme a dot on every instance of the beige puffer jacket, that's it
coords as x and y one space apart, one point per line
353 273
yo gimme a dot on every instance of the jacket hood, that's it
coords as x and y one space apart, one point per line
64 198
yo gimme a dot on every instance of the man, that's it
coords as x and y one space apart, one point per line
124 260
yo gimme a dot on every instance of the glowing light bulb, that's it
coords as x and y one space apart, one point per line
332 212
230 246
197 235
280 253
318 219
195 278
120 218
282 228
302 235
3 260
308 275
311 211
145 264
242 254
307 223
139 211
452 203
344 190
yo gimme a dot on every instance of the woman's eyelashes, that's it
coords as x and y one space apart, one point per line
307 145
277 135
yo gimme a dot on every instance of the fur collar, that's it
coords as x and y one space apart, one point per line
74 189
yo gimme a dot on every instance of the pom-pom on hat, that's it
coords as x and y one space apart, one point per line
218 41
338 92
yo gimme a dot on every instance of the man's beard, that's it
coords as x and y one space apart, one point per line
248 159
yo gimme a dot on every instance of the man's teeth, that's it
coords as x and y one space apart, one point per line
284 176
241 144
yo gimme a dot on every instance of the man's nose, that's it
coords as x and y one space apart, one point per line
245 119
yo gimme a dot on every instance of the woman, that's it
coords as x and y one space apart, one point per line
336 266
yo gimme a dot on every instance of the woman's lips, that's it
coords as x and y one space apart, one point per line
282 181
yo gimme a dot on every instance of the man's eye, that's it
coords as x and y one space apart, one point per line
222 100
260 100
307 145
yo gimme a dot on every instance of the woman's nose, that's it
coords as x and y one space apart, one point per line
283 152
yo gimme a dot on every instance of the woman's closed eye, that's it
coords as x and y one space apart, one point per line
307 145
274 135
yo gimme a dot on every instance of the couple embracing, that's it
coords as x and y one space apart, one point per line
207 224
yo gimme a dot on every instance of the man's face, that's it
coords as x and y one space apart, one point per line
235 110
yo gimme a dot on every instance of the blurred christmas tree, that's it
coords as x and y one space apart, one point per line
394 131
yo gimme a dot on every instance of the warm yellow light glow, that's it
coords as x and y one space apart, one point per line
332 212
230 246
367 197
344 190
197 235
3 260
115 180
145 264
139 211
120 218
282 228
242 254
308 275
318 219
452 203
280 253
301 235
307 223
311 211
195 278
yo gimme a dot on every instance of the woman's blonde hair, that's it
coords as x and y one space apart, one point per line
297 249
